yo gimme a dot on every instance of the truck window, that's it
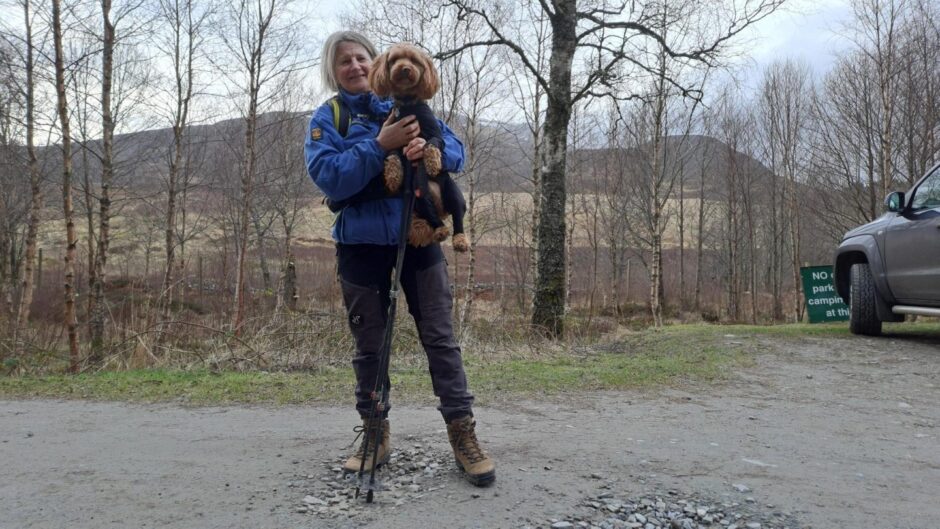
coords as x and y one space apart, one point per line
928 193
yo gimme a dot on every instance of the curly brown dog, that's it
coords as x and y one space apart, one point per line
407 74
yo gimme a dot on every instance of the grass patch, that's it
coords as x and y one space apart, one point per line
196 387
650 358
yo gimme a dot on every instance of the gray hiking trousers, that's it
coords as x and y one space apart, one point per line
365 275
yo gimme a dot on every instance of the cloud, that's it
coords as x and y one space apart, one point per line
807 31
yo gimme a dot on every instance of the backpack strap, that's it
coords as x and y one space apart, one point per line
341 117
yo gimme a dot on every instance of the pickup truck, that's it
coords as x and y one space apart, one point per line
890 267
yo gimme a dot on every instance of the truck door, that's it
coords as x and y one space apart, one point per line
912 246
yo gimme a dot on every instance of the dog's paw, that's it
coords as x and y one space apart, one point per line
392 174
432 160
460 243
441 234
421 233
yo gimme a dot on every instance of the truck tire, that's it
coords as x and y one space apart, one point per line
863 318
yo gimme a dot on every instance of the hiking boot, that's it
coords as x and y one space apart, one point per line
367 431
470 457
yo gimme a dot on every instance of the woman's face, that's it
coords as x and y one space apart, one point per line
352 67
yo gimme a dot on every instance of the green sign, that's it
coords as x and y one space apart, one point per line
823 303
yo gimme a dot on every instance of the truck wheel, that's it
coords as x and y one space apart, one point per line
863 319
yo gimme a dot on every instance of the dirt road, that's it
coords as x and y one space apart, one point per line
833 432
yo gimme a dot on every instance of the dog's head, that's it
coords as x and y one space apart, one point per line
404 70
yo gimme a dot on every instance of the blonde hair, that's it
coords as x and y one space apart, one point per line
328 57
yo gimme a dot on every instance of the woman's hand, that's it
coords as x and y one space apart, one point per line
414 151
397 134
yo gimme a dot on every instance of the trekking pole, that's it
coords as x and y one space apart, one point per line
380 394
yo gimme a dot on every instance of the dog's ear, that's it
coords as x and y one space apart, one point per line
430 82
378 76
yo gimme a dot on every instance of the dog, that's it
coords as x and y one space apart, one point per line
407 74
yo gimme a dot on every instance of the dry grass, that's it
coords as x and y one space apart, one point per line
234 373
502 216
315 338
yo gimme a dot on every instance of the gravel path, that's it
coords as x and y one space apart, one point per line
820 432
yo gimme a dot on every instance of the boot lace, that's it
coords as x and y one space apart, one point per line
365 432
469 446
361 431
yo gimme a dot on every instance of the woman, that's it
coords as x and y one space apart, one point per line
346 163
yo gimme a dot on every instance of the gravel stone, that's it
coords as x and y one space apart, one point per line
330 493
417 469
606 510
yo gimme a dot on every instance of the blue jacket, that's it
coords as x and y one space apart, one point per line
341 167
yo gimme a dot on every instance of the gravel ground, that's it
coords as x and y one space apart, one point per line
820 432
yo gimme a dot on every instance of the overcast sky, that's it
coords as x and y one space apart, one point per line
806 29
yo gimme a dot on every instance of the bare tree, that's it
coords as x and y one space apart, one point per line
109 39
71 321
82 48
13 210
704 207
290 192
183 38
263 44
481 90
918 93
732 125
751 206
612 188
786 101
614 33
845 156
659 128
877 35
888 82
529 97
25 298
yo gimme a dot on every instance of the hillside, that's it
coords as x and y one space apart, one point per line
502 157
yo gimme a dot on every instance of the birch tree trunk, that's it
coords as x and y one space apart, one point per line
181 50
657 178
26 284
700 235
97 313
549 302
733 254
254 21
71 240
245 206
288 297
683 299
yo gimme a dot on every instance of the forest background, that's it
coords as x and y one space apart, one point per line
627 166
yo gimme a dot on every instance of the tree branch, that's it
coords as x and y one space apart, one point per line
617 11
500 39
704 54
547 9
